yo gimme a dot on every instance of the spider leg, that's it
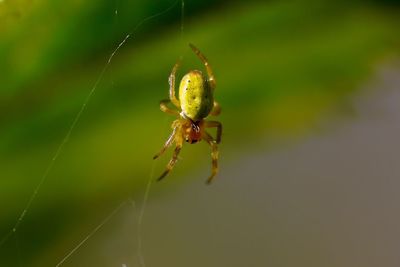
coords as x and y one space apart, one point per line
211 78
214 155
164 107
171 81
172 162
216 110
215 124
167 144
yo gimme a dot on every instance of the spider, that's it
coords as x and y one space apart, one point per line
195 103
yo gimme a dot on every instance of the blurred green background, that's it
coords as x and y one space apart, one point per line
282 67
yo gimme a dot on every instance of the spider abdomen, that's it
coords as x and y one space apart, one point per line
195 95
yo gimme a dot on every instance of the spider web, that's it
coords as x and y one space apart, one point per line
13 232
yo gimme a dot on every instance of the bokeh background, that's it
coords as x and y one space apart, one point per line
310 154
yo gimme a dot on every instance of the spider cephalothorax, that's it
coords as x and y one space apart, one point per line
195 103
192 130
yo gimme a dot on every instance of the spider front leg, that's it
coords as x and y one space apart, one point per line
176 137
167 144
214 156
172 162
211 78
215 124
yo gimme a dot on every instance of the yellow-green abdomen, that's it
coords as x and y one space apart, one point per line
195 96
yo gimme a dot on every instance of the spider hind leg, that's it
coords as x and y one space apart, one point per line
164 107
202 57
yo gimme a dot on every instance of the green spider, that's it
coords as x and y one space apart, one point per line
195 103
